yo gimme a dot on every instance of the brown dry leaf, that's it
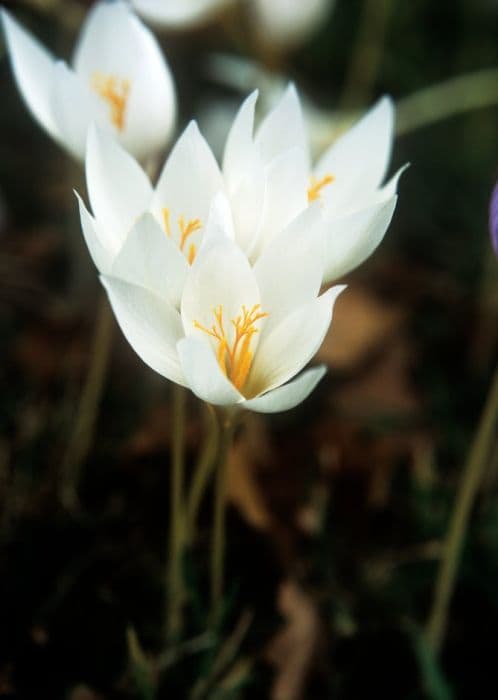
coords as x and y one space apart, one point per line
293 649
6 687
83 692
361 324
386 387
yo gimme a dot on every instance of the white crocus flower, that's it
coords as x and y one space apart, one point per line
179 14
270 180
287 23
241 333
119 79
120 194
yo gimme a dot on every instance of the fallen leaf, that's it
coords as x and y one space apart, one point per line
361 324
293 649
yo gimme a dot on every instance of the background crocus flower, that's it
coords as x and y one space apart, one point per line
287 23
241 334
119 79
179 14
346 180
493 219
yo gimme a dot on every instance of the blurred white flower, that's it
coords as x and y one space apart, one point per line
287 23
119 79
241 333
244 76
270 181
179 14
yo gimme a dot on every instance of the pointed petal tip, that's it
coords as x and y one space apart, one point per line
5 17
79 199
333 293
10 25
289 395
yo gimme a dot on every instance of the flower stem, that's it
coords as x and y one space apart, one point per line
174 578
471 478
203 471
227 426
81 438
447 99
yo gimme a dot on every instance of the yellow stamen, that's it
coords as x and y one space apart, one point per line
115 92
192 252
316 187
166 221
236 359
186 228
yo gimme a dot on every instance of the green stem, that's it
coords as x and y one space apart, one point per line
83 432
471 479
203 471
174 578
447 99
227 426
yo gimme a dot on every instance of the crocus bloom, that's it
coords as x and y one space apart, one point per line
119 79
269 183
493 219
120 193
241 334
179 14
270 180
287 23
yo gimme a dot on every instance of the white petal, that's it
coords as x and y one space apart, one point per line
150 325
248 205
204 375
178 14
286 187
358 160
289 395
286 23
289 271
101 257
220 276
219 225
33 68
115 43
74 109
352 239
239 148
151 260
283 128
363 200
282 353
391 187
189 181
118 188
